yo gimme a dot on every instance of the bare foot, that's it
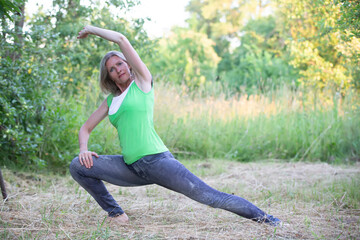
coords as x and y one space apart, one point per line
119 220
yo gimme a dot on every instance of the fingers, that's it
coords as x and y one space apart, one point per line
86 159
95 154
83 33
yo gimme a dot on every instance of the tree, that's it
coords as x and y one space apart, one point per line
316 45
14 11
53 66
260 62
187 57
350 16
219 20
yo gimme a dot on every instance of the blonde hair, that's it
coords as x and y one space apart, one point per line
106 84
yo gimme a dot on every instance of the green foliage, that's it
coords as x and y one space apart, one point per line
27 85
46 73
325 29
260 62
187 57
315 43
220 20
80 59
49 83
7 7
350 16
253 69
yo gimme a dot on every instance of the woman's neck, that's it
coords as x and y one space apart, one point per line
124 86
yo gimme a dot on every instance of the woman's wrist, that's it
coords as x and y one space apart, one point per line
89 29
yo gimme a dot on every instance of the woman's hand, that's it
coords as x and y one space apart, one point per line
85 158
84 33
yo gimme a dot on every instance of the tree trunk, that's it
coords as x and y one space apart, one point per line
3 25
2 184
19 39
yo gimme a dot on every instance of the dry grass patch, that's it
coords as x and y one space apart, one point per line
316 201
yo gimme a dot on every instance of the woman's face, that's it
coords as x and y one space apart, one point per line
118 70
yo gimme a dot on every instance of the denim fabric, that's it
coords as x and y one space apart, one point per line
162 169
111 169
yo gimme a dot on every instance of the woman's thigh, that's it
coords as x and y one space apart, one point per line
110 168
166 171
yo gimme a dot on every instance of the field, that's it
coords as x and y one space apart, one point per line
314 200
259 98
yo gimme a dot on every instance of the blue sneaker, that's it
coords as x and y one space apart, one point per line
271 220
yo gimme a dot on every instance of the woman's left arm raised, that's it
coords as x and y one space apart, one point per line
142 74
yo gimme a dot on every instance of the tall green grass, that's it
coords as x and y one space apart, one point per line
283 124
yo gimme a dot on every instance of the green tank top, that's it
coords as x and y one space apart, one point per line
134 123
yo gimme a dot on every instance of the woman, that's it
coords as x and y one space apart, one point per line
145 160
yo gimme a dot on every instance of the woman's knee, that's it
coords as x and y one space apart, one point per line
74 166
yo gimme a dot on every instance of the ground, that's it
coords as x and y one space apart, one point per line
314 200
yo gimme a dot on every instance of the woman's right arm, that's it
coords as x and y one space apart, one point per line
85 156
142 73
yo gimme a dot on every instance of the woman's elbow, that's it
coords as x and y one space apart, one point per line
84 130
121 39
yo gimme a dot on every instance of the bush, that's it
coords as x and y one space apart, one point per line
26 87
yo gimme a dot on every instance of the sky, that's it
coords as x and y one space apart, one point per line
163 13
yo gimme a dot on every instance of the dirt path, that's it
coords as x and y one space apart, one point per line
315 201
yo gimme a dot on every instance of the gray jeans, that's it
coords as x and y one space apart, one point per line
162 169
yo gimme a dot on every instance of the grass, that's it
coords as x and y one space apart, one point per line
284 124
315 201
279 125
